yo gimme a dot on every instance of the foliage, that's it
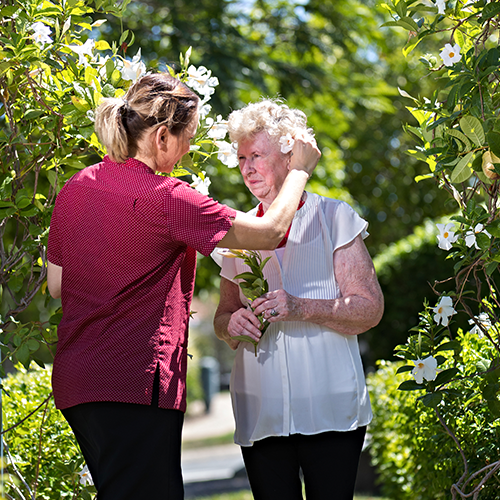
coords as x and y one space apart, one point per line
407 270
459 137
412 451
43 457
50 84
252 283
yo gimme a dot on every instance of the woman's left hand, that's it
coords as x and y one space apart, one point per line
278 305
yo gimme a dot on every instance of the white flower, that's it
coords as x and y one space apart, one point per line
450 54
444 310
201 185
286 142
85 477
217 129
484 320
204 109
200 80
132 70
41 33
441 5
227 154
83 50
424 368
470 235
445 236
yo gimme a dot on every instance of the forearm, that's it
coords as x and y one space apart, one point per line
347 315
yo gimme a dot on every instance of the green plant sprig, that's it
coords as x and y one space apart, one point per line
252 284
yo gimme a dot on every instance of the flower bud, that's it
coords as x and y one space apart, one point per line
488 168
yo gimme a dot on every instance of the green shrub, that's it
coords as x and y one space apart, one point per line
415 457
39 444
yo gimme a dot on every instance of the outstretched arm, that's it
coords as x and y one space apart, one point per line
265 233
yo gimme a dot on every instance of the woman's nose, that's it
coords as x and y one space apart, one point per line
246 166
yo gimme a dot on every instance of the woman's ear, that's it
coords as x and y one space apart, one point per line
162 138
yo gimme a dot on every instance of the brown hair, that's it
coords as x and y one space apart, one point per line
154 100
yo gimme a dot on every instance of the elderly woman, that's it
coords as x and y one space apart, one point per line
122 256
301 402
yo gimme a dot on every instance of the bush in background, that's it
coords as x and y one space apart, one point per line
414 456
44 459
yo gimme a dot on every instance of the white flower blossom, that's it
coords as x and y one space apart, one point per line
217 129
470 235
227 154
41 33
85 477
204 110
441 5
424 368
201 80
286 142
444 310
201 185
446 237
134 69
83 50
484 320
450 54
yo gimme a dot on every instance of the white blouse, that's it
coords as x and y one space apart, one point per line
306 378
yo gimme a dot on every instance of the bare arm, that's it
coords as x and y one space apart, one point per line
232 318
358 309
265 233
54 275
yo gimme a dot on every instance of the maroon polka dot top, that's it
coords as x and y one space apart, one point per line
127 240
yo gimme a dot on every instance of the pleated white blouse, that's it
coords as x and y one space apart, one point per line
306 378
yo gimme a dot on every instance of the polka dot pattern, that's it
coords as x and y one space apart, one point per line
127 241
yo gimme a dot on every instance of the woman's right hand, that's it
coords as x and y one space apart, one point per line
305 154
243 322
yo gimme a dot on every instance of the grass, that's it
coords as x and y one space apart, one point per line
211 441
246 495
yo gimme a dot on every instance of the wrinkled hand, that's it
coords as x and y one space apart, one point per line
305 153
243 322
278 305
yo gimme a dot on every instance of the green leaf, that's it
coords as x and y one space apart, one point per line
445 376
452 345
462 171
473 129
410 385
456 133
432 399
405 368
493 139
490 268
246 276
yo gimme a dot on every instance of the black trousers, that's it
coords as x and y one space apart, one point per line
133 451
329 463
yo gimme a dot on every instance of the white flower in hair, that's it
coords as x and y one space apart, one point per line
286 142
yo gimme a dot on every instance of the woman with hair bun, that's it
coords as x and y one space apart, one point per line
122 257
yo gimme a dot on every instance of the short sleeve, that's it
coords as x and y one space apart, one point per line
195 219
347 224
54 250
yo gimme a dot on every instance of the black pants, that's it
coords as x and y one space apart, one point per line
133 451
329 462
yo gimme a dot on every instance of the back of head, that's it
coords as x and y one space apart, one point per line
154 100
270 116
